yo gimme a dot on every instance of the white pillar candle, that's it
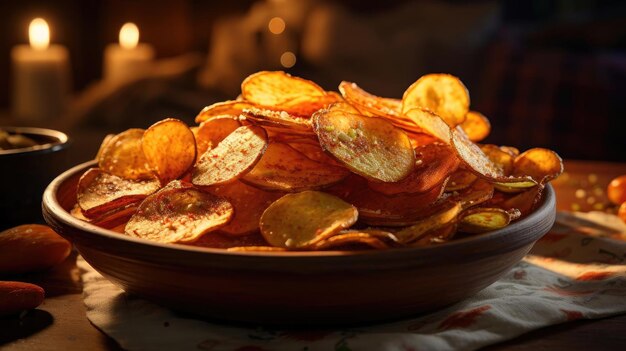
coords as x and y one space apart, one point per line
41 76
129 59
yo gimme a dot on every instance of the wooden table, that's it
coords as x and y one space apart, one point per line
60 322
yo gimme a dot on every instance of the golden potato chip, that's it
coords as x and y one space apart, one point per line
248 203
369 104
99 192
435 162
513 151
514 187
279 119
285 169
500 158
77 212
525 201
421 139
170 148
284 92
178 213
442 94
314 152
123 156
225 108
105 142
232 158
211 132
445 216
430 123
485 219
435 236
476 126
300 220
460 180
369 146
542 165
350 238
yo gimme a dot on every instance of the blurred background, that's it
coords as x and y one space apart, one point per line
548 73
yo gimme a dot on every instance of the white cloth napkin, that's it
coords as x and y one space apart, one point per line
578 270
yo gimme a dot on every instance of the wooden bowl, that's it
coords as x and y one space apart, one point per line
296 288
27 171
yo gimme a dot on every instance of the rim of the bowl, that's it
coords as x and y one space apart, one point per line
51 203
63 140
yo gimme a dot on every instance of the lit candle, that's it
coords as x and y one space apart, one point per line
129 59
41 76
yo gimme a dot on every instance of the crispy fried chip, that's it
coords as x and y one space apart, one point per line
314 152
300 220
500 158
460 180
285 169
485 219
476 126
542 165
249 204
279 119
369 146
116 218
429 123
515 187
443 94
179 213
211 132
105 142
170 148
369 104
436 236
525 201
435 162
281 91
446 215
225 108
474 158
99 192
232 158
350 238
122 156
480 191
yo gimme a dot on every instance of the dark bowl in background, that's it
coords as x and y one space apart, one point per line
25 173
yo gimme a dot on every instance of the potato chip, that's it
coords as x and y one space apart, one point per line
248 203
279 119
513 151
369 104
436 236
314 152
515 187
221 109
445 216
442 94
77 212
123 156
232 158
478 192
179 213
476 126
460 180
99 192
435 162
525 201
485 219
105 142
211 132
300 220
350 238
421 139
285 169
170 148
283 92
542 165
369 146
430 123
116 218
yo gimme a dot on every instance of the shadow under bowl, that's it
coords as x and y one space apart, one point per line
296 288
27 171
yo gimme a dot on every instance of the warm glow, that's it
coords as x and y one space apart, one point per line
39 34
129 36
276 25
288 59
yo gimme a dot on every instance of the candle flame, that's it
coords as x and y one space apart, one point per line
39 34
129 36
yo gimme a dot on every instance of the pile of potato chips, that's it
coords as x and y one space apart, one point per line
290 166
